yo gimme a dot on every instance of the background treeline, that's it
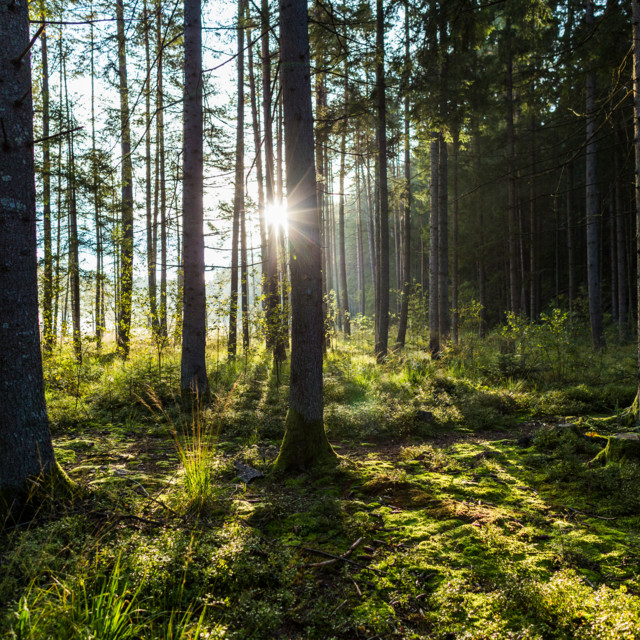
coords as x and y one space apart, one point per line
504 184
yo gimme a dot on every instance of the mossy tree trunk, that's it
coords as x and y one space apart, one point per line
25 441
305 443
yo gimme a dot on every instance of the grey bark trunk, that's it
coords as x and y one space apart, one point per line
193 373
344 298
444 311
305 442
25 441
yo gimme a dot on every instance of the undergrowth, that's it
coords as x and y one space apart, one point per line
466 503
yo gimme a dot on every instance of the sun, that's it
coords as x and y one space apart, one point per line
276 215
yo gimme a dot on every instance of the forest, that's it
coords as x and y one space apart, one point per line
319 319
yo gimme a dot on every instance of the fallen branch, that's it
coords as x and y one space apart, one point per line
334 558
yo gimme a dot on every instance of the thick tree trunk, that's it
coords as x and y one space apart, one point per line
381 104
305 442
193 374
434 251
593 258
25 442
123 329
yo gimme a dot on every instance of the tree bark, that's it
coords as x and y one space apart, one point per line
48 333
161 180
455 336
406 256
344 299
123 330
593 232
444 322
25 442
305 442
434 252
635 5
193 374
238 198
381 103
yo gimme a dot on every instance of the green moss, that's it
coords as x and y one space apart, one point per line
621 447
304 445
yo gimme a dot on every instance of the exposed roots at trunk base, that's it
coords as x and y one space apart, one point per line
304 445
621 447
40 493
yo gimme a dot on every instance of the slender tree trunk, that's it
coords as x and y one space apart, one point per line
151 242
162 320
480 255
126 255
359 241
635 4
613 263
383 307
47 289
99 292
406 256
570 246
193 374
257 143
344 306
305 442
511 169
434 252
25 442
593 259
72 230
455 336
444 311
533 227
238 199
621 265
272 296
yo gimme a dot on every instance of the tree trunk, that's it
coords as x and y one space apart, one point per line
383 285
406 256
593 258
444 321
151 229
47 289
359 241
570 248
193 374
123 329
259 173
72 230
305 442
635 4
621 264
344 304
238 198
162 321
99 292
434 252
511 170
25 442
455 337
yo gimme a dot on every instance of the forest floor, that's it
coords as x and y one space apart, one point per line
462 506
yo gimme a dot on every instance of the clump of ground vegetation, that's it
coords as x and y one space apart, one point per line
467 502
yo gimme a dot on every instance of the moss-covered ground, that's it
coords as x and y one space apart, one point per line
464 504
